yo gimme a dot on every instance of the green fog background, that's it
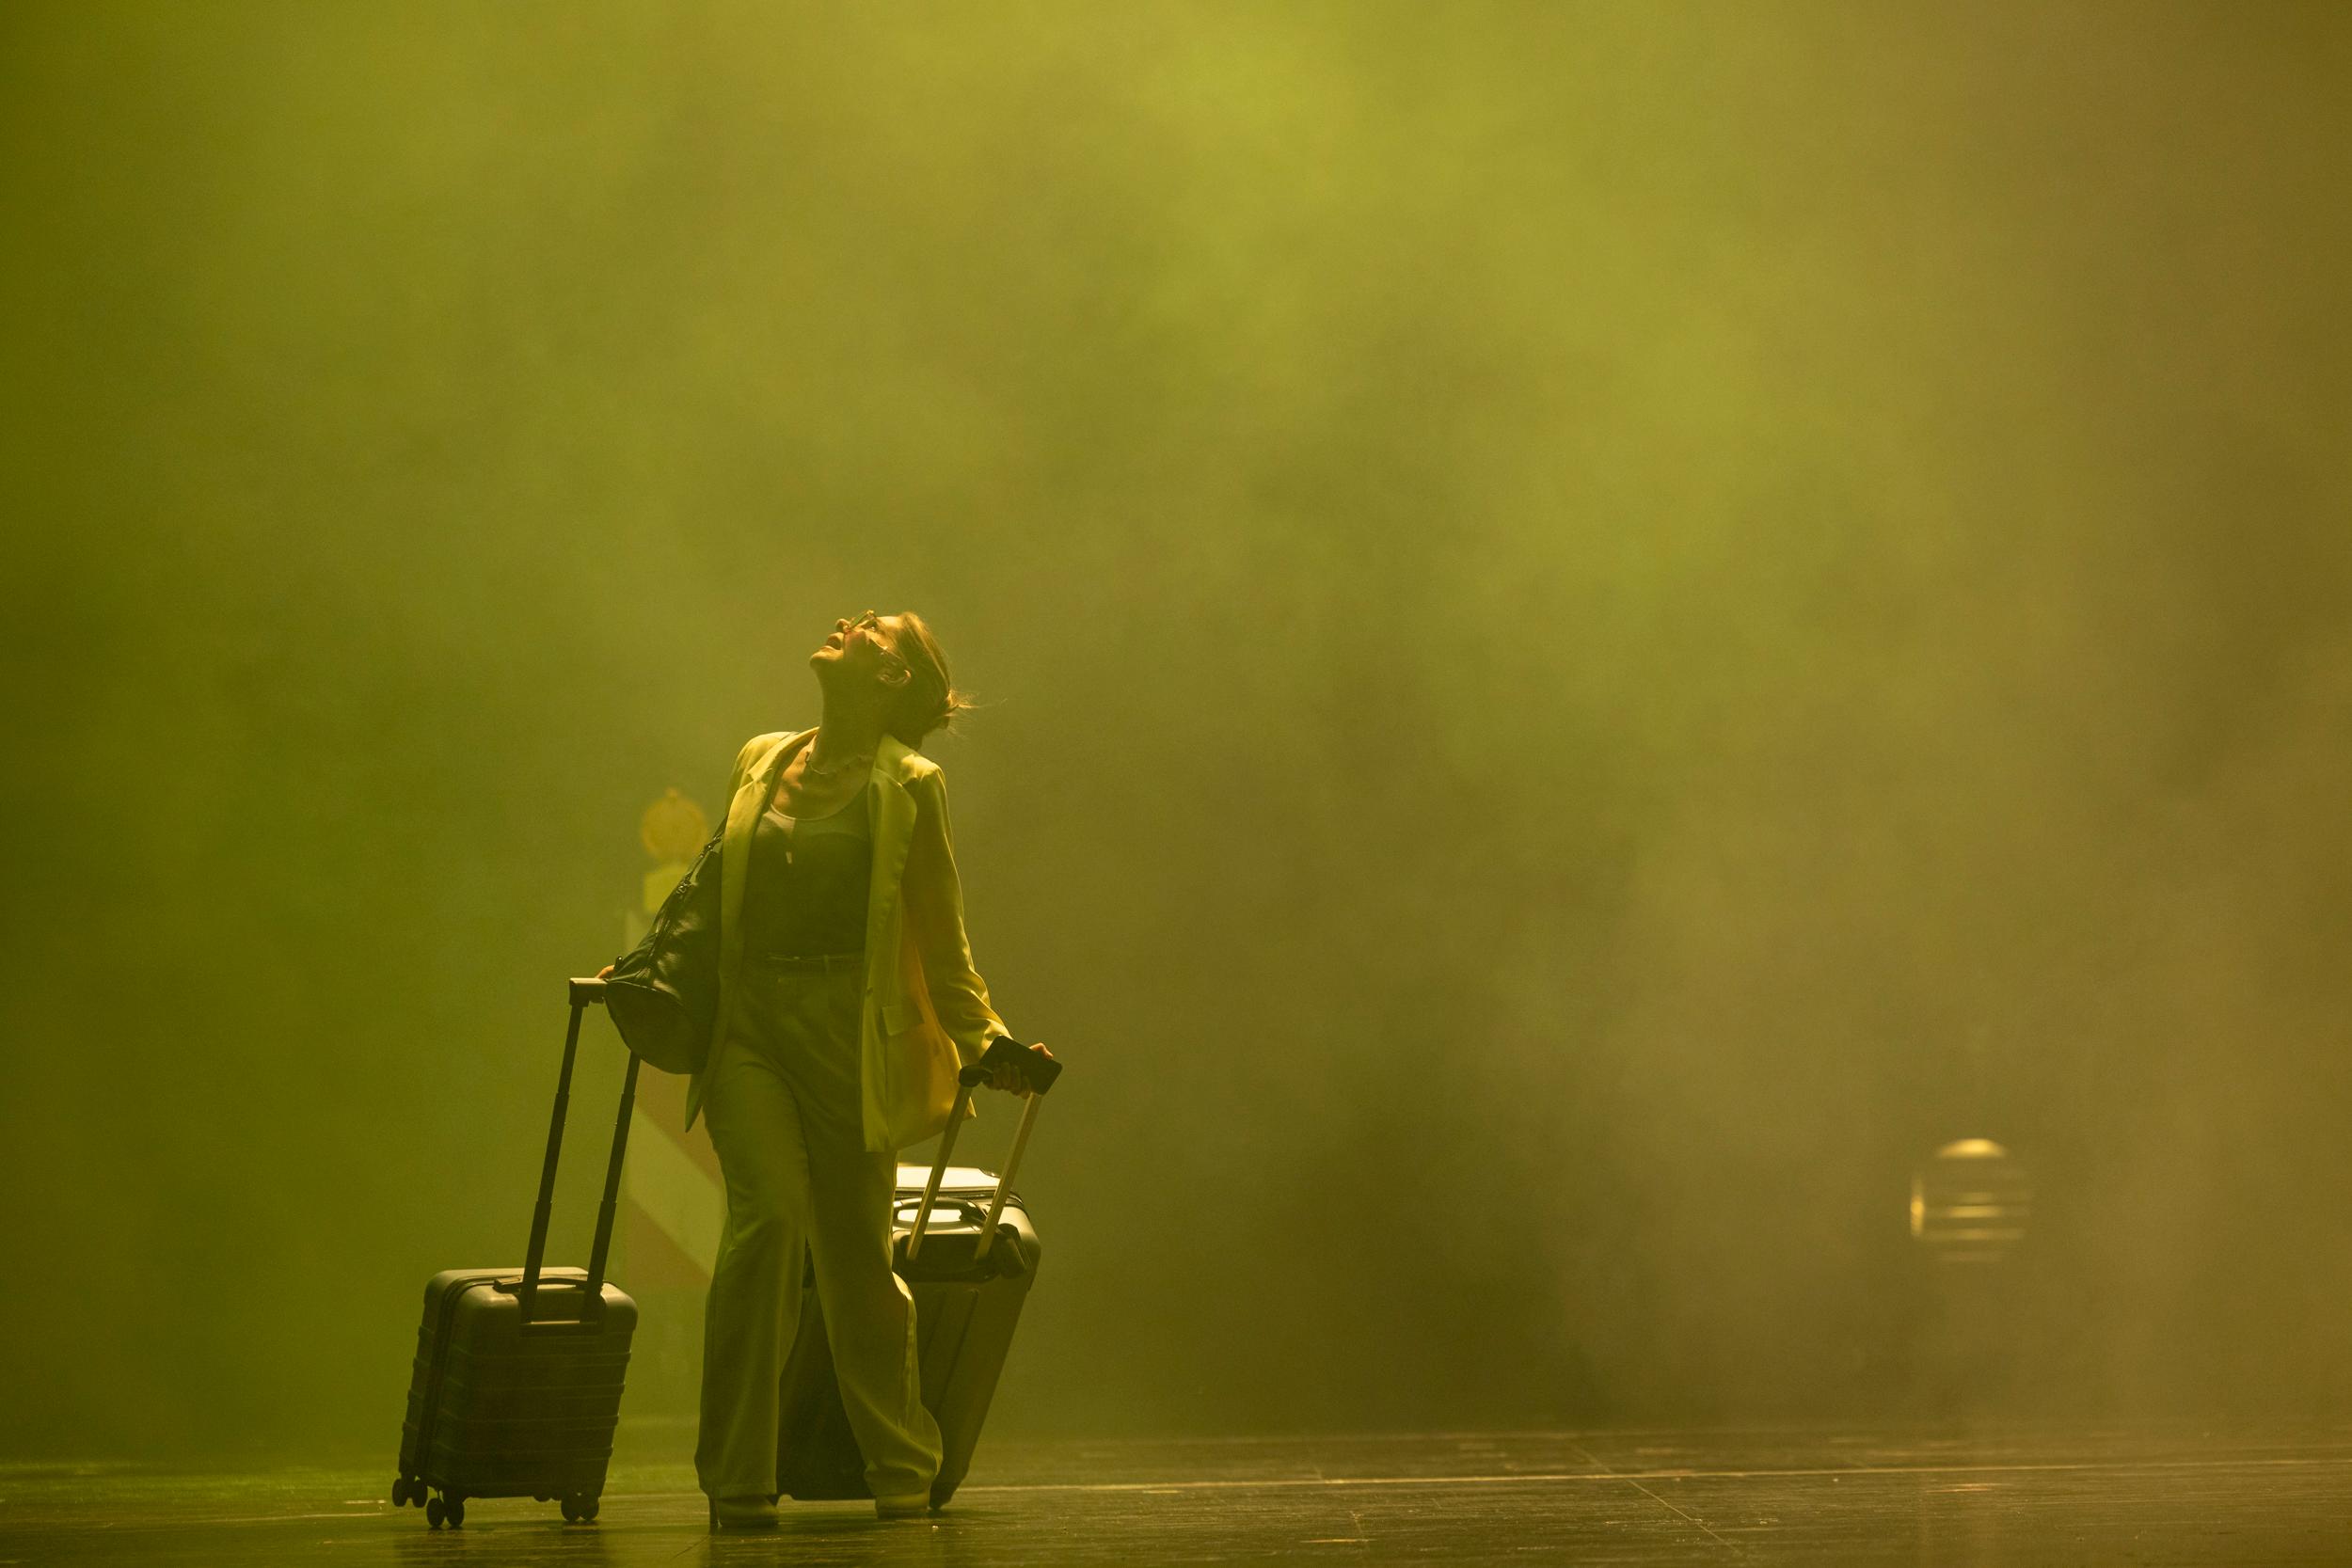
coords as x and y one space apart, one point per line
1601 623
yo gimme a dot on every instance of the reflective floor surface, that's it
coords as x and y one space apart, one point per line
1788 1496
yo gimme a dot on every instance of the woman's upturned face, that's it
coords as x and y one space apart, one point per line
863 647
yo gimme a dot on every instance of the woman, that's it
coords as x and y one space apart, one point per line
847 1004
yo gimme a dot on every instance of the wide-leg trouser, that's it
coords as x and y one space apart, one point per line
784 1109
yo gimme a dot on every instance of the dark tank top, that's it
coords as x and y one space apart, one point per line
809 876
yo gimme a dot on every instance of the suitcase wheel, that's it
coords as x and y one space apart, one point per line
449 1511
579 1510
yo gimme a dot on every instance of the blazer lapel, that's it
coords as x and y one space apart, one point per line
735 864
893 824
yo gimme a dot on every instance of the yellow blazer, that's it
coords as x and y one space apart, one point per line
926 1010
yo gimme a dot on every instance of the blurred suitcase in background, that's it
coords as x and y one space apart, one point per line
964 1244
516 1385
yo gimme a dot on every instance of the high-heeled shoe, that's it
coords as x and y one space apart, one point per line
745 1512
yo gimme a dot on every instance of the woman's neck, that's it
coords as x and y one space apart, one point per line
846 732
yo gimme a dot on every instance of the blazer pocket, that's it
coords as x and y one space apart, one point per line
900 1017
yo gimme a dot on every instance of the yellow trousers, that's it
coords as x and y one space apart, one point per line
784 1110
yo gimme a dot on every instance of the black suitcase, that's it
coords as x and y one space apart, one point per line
517 1384
965 1247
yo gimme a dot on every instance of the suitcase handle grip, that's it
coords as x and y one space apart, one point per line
590 1317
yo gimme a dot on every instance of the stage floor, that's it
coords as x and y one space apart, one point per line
1790 1496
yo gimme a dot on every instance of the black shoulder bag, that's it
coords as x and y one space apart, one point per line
663 993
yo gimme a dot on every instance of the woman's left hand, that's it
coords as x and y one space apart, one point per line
1008 1078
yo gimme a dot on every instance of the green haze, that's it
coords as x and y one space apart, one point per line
1599 624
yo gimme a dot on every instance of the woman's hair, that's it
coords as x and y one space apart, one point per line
929 701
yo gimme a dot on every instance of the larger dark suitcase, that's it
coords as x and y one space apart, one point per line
516 1385
964 1244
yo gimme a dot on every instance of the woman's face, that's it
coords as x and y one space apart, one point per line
864 648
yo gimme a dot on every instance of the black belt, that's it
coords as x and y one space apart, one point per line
825 961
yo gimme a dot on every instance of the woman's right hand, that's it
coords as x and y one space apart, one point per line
604 973
1008 1078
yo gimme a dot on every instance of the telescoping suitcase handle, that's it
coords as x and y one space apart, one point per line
1037 1072
584 994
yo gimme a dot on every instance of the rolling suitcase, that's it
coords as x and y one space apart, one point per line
516 1385
964 1244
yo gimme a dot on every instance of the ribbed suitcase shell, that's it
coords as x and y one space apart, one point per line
963 1318
497 1412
